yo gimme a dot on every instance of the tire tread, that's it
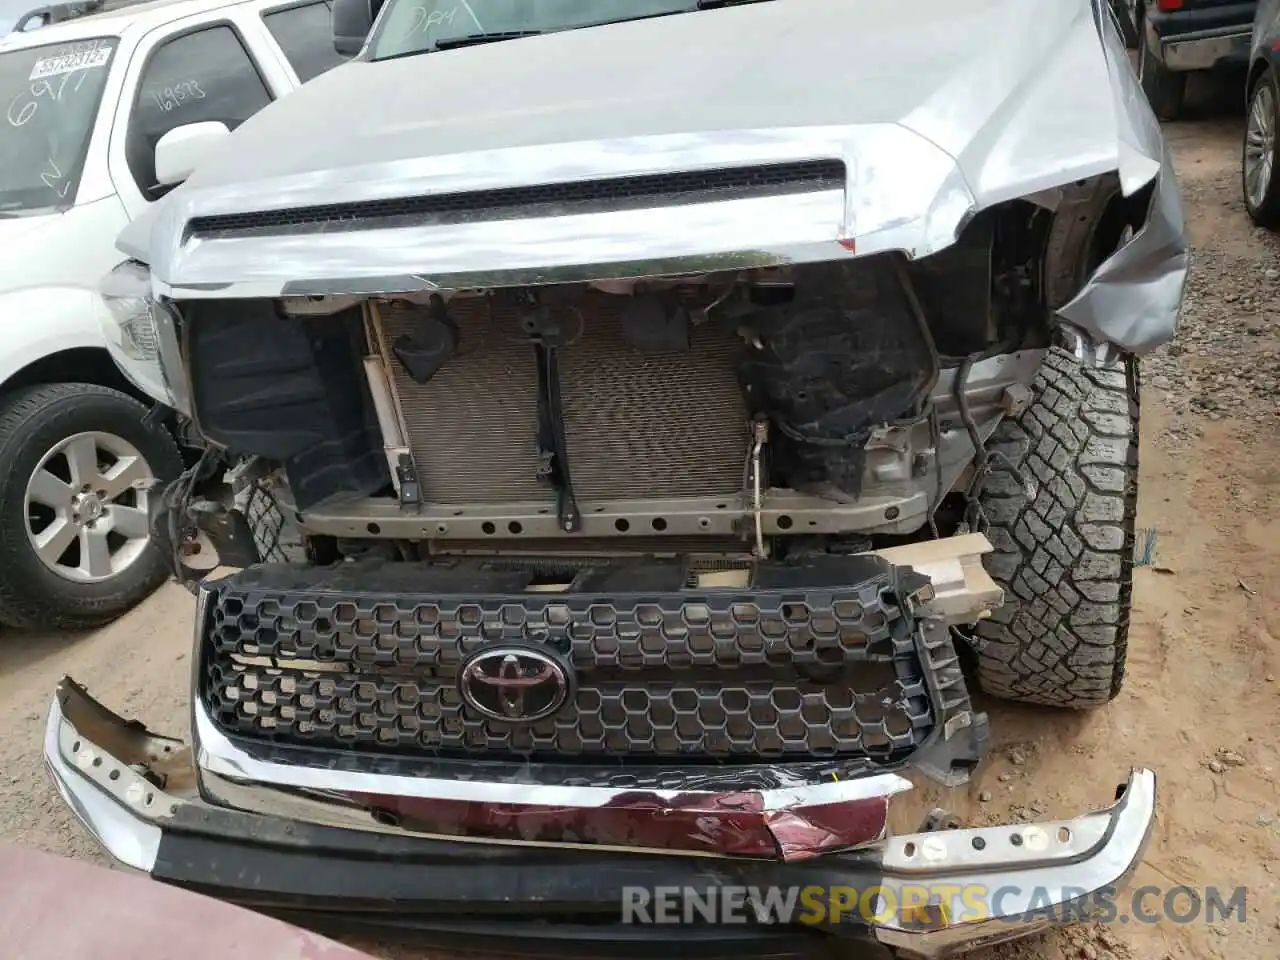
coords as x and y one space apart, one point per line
1065 558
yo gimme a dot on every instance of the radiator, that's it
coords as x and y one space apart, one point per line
638 425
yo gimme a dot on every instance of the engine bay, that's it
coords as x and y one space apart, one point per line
720 411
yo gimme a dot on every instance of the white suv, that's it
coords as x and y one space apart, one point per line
83 105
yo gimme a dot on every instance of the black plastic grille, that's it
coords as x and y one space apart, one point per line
584 196
722 676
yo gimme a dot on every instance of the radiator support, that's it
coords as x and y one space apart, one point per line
638 424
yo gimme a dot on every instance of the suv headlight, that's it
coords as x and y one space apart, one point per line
142 335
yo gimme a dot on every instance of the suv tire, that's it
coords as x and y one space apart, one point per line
1065 558
276 538
35 424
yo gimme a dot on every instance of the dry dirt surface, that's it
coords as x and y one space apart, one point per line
1202 702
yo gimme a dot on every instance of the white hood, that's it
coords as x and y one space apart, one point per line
936 108
979 79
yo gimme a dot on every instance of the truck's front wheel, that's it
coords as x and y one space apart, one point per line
1064 557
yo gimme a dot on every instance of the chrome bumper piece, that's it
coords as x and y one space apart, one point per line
133 791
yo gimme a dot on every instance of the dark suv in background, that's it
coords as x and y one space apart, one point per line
1176 37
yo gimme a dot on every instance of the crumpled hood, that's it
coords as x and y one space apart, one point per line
936 109
958 74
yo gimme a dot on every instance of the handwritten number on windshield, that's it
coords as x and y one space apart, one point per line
43 88
17 114
21 111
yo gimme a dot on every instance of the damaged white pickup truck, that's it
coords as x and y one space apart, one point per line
665 399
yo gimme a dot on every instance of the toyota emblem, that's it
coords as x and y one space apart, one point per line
514 683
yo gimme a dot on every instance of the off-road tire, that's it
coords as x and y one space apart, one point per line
31 422
1165 89
1267 212
275 536
1064 558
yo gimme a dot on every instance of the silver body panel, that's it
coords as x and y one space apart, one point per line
936 110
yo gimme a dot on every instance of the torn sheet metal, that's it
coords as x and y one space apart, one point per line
789 820
1134 297
759 824
1014 100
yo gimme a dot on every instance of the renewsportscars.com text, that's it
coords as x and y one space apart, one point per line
927 905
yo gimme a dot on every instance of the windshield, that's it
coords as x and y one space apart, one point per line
50 98
416 26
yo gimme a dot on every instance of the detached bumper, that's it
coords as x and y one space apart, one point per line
932 894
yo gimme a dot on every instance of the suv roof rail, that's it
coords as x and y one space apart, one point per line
53 13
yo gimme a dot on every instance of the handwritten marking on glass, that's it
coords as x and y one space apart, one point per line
424 19
43 88
472 14
69 63
170 98
18 114
53 178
